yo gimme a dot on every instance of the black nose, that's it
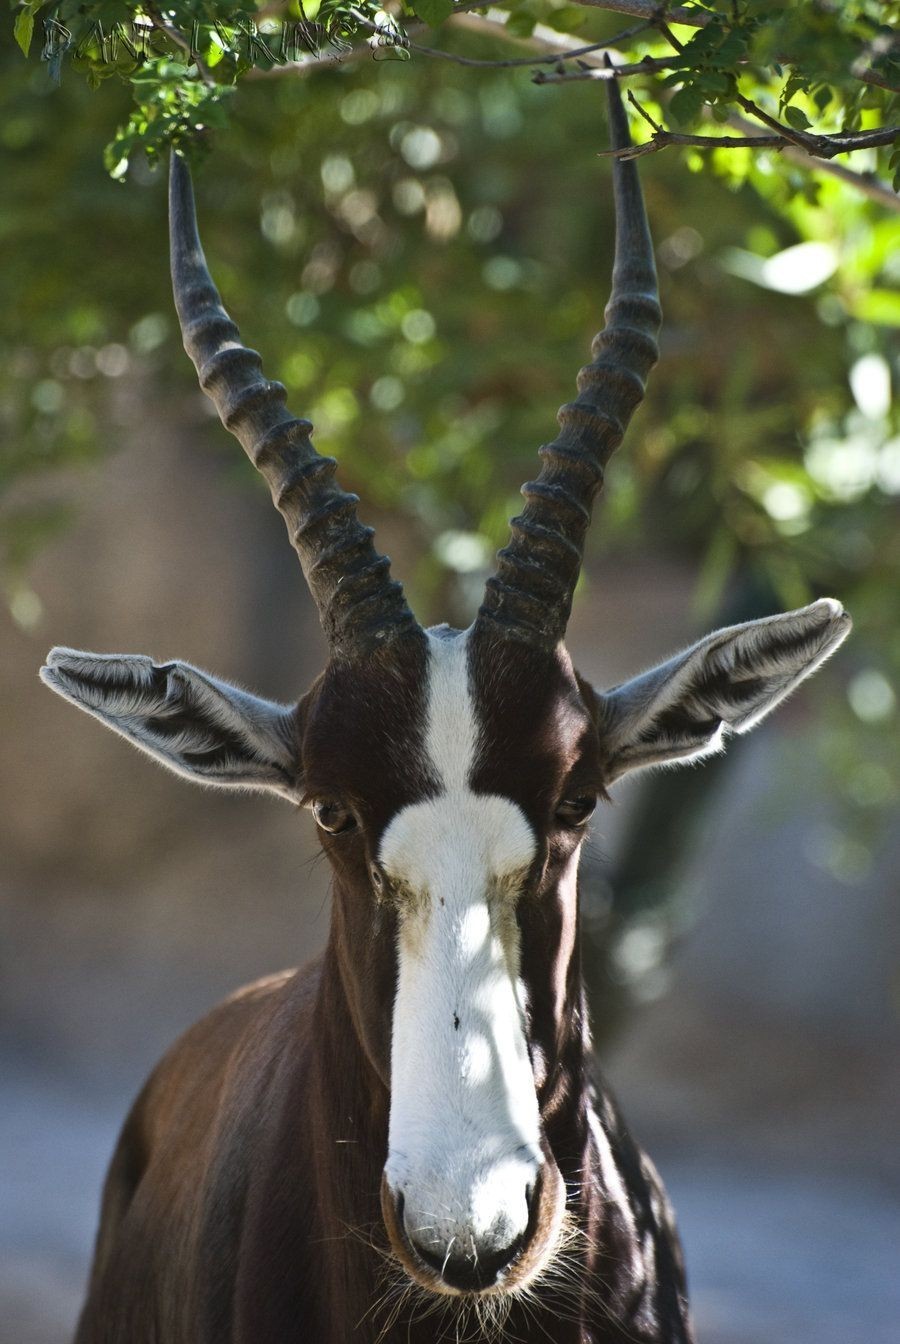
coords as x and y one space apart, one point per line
470 1268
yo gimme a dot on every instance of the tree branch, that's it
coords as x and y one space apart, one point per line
813 146
823 146
660 14
652 11
550 58
786 132
865 183
810 152
873 77
662 139
652 14
647 66
352 51
544 39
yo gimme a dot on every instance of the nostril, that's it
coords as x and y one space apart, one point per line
470 1270
434 1256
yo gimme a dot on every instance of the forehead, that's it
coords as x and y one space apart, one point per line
536 729
449 711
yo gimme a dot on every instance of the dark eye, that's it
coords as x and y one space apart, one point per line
333 816
575 811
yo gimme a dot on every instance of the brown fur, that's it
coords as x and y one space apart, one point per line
243 1200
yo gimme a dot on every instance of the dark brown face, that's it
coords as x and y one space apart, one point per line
452 782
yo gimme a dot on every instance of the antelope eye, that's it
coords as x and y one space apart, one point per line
576 811
332 816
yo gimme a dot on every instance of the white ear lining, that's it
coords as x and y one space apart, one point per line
201 728
727 682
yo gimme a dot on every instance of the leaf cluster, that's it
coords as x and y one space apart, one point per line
818 68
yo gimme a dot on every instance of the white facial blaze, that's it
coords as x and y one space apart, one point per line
464 1144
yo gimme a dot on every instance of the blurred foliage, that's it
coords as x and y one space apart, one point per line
422 251
821 68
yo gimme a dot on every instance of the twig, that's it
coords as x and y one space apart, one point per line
648 65
352 51
551 58
652 10
870 76
823 146
655 126
818 147
698 18
786 132
669 36
865 183
654 15
662 139
560 46
813 145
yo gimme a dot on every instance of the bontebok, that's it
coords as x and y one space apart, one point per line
400 1142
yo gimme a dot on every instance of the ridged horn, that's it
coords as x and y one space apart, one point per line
530 597
361 607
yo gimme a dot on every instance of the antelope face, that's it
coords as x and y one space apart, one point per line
453 784
472 1194
465 837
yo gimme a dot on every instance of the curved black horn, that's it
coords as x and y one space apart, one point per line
360 605
530 597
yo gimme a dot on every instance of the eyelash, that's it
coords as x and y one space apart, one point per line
574 813
344 816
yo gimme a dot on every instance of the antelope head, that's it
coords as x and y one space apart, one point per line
451 775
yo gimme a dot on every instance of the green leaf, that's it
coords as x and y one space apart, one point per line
702 45
793 85
520 24
794 117
23 29
732 49
566 20
677 77
713 82
434 12
686 104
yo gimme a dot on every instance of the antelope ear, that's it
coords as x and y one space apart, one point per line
197 726
724 684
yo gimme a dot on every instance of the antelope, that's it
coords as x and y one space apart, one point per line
404 1140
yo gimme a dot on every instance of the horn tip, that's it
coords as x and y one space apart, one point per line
618 120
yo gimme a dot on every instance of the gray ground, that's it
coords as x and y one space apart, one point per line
777 1255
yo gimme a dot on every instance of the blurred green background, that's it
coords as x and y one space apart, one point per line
421 252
